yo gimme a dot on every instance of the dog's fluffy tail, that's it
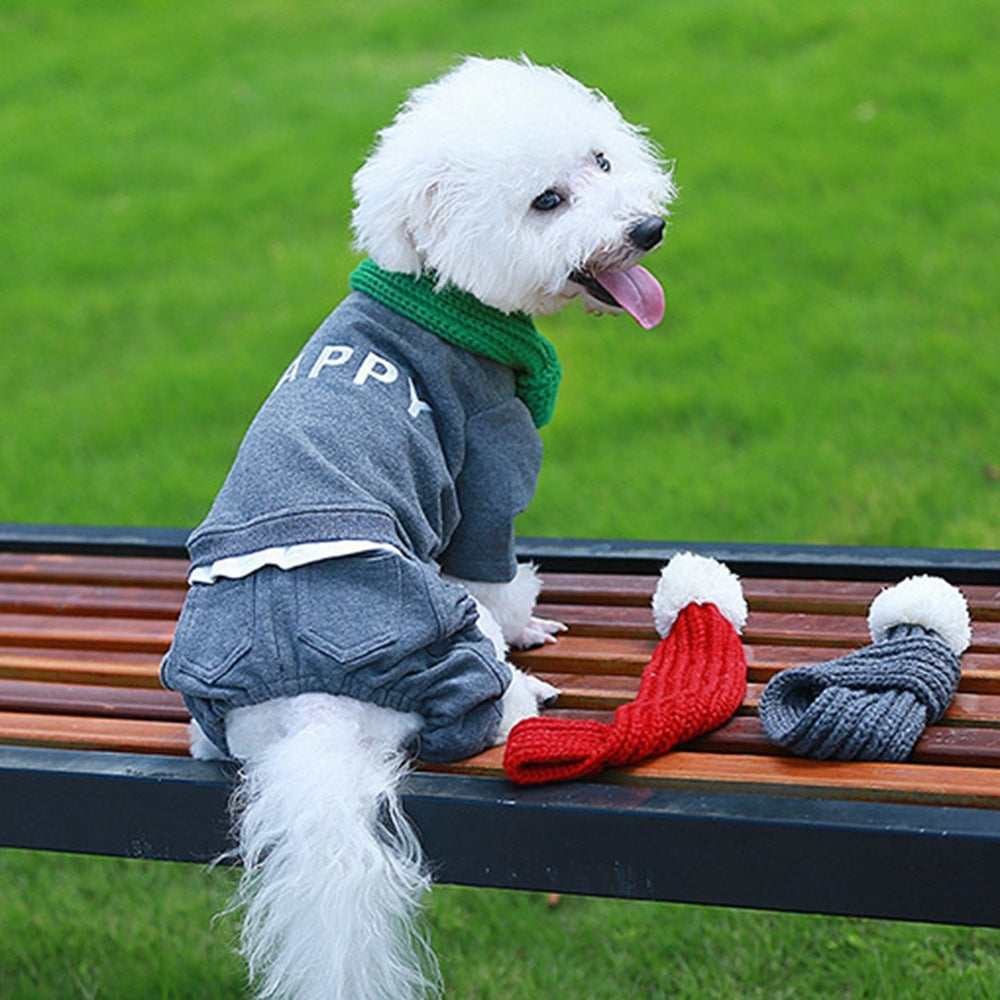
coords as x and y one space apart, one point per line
332 872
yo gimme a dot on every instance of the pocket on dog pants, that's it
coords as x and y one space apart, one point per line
350 609
214 631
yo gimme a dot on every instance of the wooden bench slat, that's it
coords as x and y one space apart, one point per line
910 782
941 744
593 695
90 600
135 571
831 634
125 634
605 693
81 666
836 631
614 654
722 762
586 619
965 709
774 628
969 746
815 596
980 671
605 656
151 704
571 655
914 783
849 597
846 597
88 733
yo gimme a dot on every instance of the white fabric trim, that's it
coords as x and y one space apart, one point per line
929 601
693 579
284 557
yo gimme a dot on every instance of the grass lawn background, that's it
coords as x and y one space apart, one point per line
174 205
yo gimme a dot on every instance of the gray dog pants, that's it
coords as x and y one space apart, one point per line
377 627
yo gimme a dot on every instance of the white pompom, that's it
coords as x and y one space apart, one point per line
923 600
692 579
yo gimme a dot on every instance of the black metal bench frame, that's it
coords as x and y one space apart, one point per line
819 855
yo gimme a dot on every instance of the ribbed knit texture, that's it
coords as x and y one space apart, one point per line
461 319
872 704
694 682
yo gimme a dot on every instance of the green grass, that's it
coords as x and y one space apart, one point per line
173 222
108 928
174 204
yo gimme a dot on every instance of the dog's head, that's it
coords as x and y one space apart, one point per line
516 183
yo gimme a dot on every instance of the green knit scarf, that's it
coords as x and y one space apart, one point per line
462 320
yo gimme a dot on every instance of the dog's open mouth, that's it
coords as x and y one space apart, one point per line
635 290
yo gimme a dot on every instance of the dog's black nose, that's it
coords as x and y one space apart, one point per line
646 234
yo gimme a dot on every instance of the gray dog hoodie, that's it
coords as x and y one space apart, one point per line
384 432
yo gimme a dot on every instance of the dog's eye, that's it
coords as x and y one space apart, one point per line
547 201
603 162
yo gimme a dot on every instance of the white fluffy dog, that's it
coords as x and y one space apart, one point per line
511 186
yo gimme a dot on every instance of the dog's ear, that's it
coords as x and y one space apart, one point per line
396 218
391 206
382 224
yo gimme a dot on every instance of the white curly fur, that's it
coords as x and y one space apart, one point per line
504 132
333 874
923 600
693 579
511 605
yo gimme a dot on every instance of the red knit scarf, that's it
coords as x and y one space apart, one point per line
694 682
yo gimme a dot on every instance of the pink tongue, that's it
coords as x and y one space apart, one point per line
637 292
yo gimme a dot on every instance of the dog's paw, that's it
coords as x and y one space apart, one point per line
537 632
523 699
544 693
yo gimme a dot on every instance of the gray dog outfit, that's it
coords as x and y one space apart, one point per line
385 454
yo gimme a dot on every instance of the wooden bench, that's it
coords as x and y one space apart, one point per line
93 751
